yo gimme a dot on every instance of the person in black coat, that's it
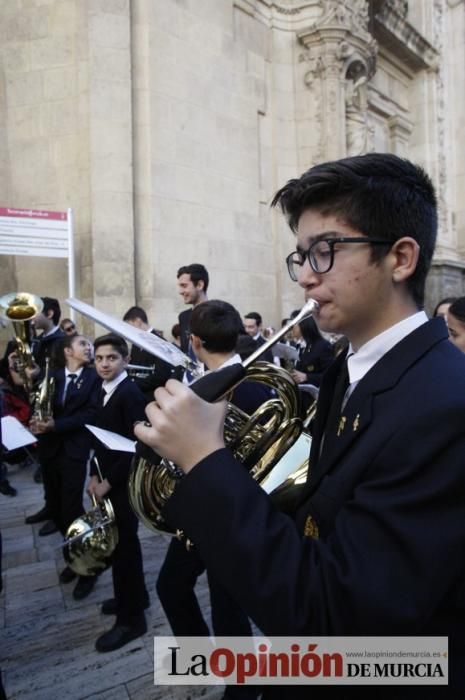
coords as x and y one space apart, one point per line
192 286
64 442
159 370
375 544
122 405
215 327
315 356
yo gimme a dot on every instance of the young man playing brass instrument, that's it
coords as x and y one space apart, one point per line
376 545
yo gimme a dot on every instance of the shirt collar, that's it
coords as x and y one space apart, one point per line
54 330
234 360
111 386
77 372
360 362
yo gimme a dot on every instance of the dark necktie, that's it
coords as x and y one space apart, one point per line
71 386
334 415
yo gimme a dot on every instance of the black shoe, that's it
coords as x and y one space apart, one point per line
110 606
67 575
6 488
119 635
40 516
84 587
38 475
48 528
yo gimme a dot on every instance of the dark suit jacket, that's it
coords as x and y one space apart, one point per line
162 372
70 436
387 502
314 360
125 406
268 355
44 347
184 323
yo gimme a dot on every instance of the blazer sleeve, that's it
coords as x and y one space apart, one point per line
383 567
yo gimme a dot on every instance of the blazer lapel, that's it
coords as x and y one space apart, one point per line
358 411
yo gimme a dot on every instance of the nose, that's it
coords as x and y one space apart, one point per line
307 278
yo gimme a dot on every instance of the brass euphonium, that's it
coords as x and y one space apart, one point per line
42 403
91 539
20 308
259 441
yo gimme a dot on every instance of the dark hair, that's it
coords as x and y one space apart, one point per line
176 331
217 324
116 341
51 304
198 273
446 300
378 194
308 328
255 316
58 351
457 309
135 312
245 345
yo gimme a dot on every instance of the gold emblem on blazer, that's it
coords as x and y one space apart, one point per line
356 423
341 426
311 528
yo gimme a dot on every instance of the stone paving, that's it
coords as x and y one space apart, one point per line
47 638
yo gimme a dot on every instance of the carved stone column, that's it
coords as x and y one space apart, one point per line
341 54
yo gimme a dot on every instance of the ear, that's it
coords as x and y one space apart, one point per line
196 344
405 253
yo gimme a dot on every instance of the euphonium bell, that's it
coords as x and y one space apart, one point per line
20 308
91 539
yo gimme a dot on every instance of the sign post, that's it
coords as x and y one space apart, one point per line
38 233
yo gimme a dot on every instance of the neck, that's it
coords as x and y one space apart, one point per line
73 365
390 318
213 360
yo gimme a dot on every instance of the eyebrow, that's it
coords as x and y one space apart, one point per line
319 237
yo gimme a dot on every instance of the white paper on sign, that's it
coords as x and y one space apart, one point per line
143 339
14 434
112 440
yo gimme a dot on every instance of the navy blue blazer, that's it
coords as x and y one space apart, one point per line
125 406
314 360
384 511
70 436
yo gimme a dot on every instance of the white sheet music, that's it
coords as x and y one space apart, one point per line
112 440
14 434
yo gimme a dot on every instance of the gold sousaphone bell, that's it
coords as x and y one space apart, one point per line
91 539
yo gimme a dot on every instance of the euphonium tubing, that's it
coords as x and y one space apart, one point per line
258 441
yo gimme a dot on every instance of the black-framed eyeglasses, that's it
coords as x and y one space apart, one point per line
320 255
67 329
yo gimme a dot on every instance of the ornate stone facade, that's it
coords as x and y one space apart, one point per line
167 127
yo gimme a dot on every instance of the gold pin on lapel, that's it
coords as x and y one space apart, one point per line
311 528
356 423
341 426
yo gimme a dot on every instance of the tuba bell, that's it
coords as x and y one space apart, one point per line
91 539
259 441
20 308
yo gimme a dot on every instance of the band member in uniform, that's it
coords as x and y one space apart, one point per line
161 371
215 327
376 543
64 442
192 285
122 404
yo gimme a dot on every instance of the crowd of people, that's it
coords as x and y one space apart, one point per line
374 545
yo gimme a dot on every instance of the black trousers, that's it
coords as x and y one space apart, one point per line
175 587
64 480
127 567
